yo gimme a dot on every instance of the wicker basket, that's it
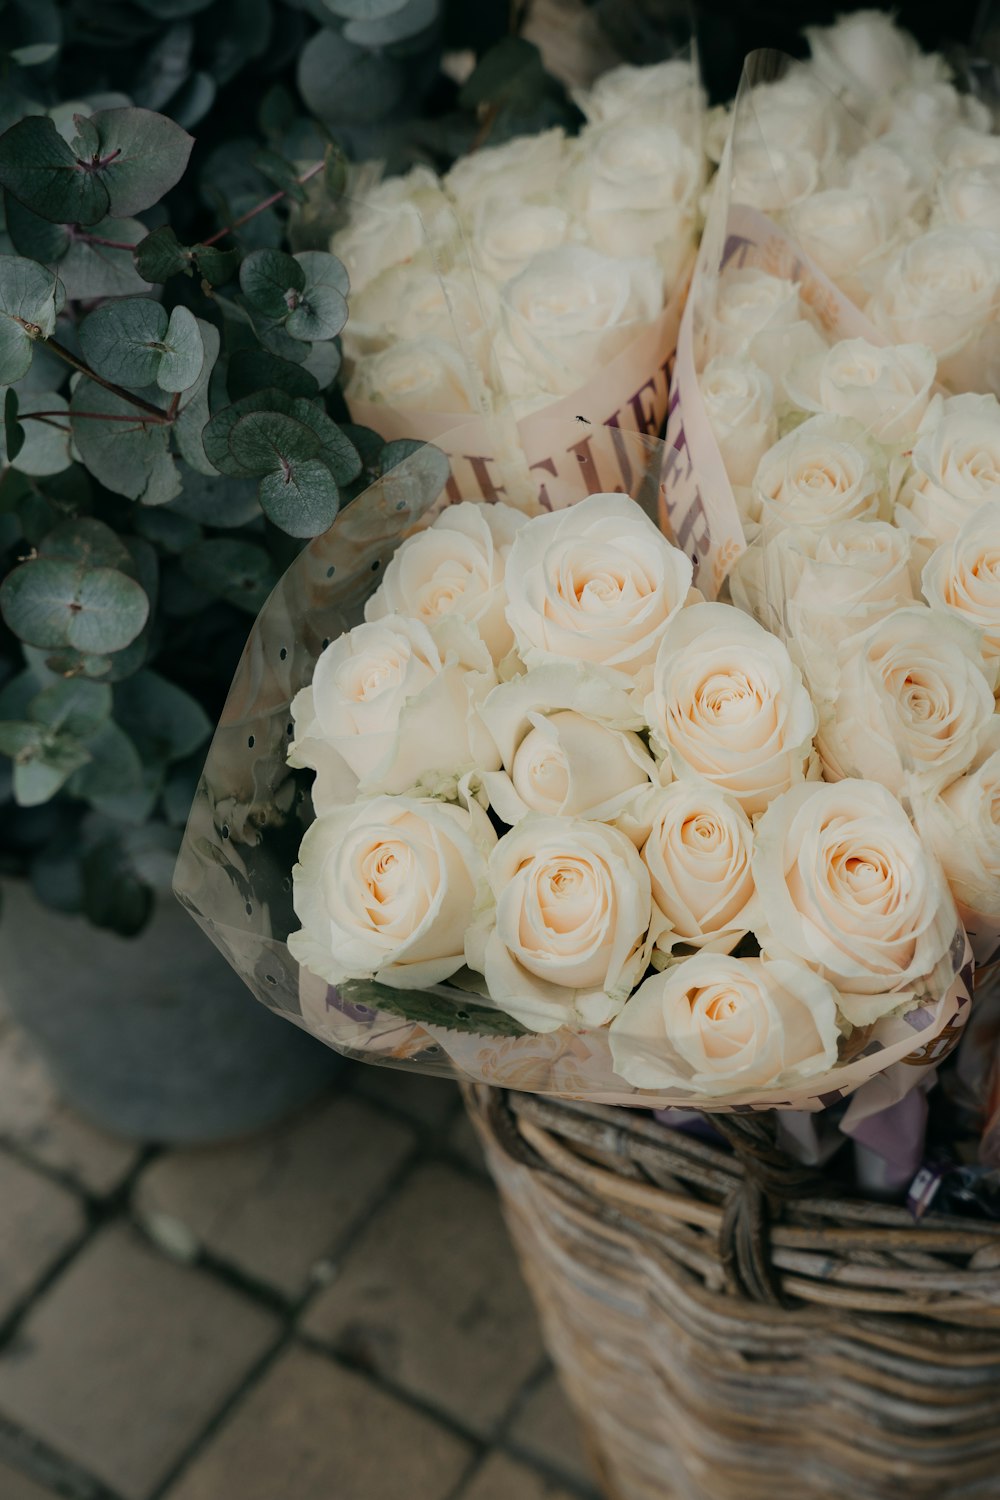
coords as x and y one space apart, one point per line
730 1329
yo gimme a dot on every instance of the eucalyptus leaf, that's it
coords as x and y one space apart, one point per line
130 457
40 170
30 298
74 706
113 781
213 500
320 309
364 10
87 542
34 236
347 84
183 352
265 442
323 363
163 721
161 255
90 268
236 571
302 498
192 419
146 154
44 449
510 70
403 21
252 370
273 166
336 449
50 603
455 1011
215 265
13 432
123 340
42 766
271 281
216 434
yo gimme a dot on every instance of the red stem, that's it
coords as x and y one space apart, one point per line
252 213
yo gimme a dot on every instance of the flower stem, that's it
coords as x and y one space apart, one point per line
155 413
259 208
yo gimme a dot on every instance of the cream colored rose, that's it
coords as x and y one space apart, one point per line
956 469
817 588
970 198
739 402
398 221
864 55
772 177
596 582
636 187
925 112
849 235
566 941
941 290
571 311
506 236
823 472
566 736
966 148
912 701
847 887
884 172
455 566
760 317
421 375
412 305
728 705
668 92
962 827
527 167
391 707
792 110
963 576
698 858
715 1025
386 890
886 390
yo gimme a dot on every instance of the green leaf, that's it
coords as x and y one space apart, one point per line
51 604
302 499
87 542
13 432
347 84
238 572
163 721
161 255
30 297
407 20
113 780
334 171
43 761
511 71
213 500
456 1011
193 417
271 281
323 363
123 340
146 155
264 442
216 434
321 309
73 706
90 269
40 170
172 10
33 236
167 530
281 173
252 370
128 457
337 450
364 10
183 353
277 114
114 895
44 449
414 474
215 265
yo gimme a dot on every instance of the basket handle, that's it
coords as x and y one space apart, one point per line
770 1176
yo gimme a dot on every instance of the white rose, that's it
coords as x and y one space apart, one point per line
739 402
414 305
715 1025
816 588
636 187
761 318
792 109
506 236
698 858
729 706
386 890
885 389
912 702
667 91
567 740
771 177
963 576
824 471
567 939
849 235
970 198
392 707
847 887
571 311
967 148
455 566
596 582
926 111
529 166
956 469
864 55
421 375
399 220
941 290
962 826
884 172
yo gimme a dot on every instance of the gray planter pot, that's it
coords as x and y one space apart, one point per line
152 1037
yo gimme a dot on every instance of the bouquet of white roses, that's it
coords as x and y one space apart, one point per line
568 827
538 280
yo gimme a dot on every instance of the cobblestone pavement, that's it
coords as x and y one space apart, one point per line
329 1311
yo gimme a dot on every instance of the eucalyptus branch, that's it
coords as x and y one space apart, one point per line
259 208
154 413
97 416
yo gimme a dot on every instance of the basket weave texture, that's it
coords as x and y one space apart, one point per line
729 1328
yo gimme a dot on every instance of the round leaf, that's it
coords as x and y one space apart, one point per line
404 21
321 309
216 434
271 281
303 499
143 154
364 10
86 542
45 449
129 457
34 236
347 84
252 370
30 295
51 604
337 451
40 170
164 722
265 442
183 352
236 571
123 340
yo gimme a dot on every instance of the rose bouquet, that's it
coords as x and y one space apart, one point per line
539 279
504 796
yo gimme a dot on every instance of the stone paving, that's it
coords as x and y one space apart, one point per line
328 1311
